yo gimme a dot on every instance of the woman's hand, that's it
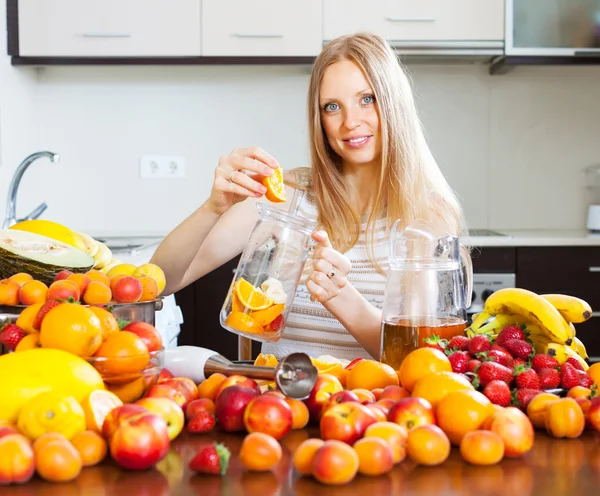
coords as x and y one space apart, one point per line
238 177
330 269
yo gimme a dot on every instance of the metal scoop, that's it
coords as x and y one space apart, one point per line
295 374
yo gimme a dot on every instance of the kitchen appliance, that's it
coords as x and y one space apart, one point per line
295 374
592 182
428 290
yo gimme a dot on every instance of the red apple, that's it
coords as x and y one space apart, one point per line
140 441
411 412
325 386
63 274
230 407
147 333
164 375
168 410
117 415
339 397
346 422
185 386
17 461
237 380
200 405
163 390
268 414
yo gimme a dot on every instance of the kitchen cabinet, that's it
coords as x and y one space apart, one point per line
110 28
416 20
261 27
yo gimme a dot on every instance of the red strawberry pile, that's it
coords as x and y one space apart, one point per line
507 371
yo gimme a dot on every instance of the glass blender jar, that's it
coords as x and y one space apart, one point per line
268 273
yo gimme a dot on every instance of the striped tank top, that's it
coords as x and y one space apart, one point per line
309 327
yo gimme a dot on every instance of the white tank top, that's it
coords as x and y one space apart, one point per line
312 329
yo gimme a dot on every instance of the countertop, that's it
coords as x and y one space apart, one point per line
557 467
540 237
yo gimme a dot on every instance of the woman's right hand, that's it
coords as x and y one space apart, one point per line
238 176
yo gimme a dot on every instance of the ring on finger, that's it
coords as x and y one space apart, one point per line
331 274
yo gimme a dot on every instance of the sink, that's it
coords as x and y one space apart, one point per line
126 243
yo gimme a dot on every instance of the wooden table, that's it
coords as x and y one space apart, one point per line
554 467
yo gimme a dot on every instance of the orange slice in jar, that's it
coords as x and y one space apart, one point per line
250 297
268 315
243 322
275 186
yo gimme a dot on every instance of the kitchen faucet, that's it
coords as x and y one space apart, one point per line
10 216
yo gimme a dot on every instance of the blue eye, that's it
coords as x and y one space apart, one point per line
368 99
330 107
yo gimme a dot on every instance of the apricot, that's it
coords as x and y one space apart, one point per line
9 292
536 409
97 293
114 280
91 446
482 447
63 289
21 278
300 415
33 292
58 461
81 280
393 434
304 455
260 452
209 387
335 463
17 461
127 290
149 289
96 275
428 445
374 456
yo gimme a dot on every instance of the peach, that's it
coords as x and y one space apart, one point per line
185 386
9 292
163 390
127 290
231 404
97 293
63 274
377 392
81 280
149 335
379 413
63 290
325 386
200 405
412 412
384 405
364 396
393 434
515 429
300 415
374 456
165 374
149 289
346 422
17 461
335 463
235 380
339 397
21 278
268 414
118 415
168 410
33 292
304 455
394 393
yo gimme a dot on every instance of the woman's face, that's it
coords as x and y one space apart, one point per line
349 114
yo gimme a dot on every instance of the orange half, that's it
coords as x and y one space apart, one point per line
250 297
275 186
96 407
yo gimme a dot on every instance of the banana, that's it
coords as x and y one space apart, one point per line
572 309
579 347
528 304
103 256
562 352
91 245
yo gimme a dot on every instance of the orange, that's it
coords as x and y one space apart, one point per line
96 407
393 434
71 327
266 360
209 386
58 461
251 297
482 447
434 387
27 317
125 353
462 412
108 321
91 446
29 342
128 392
419 363
594 372
371 374
268 315
428 445
260 452
335 369
243 322
275 186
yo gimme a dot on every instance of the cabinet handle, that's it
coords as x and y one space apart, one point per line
106 35
410 19
258 35
594 269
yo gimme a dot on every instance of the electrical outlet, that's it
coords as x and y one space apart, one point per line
162 167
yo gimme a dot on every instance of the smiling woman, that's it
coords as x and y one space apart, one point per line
370 166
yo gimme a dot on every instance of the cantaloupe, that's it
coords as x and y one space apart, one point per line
39 256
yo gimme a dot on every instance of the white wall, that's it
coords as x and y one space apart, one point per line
513 145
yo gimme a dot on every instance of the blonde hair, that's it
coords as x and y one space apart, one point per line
411 185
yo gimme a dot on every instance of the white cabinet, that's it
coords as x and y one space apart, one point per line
262 27
416 20
109 28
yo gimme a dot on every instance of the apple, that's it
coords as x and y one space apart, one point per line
164 375
200 405
237 380
515 429
185 386
346 422
140 441
163 390
230 406
17 460
147 333
411 412
339 397
325 386
168 410
593 415
268 414
117 415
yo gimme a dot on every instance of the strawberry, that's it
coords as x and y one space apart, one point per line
479 344
491 371
498 393
575 363
276 324
526 378
200 423
458 361
585 380
436 342
549 378
543 361
472 365
568 376
523 396
46 307
458 343
211 459
509 332
515 362
519 348
11 335
499 355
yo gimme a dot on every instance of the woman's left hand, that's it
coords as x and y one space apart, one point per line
330 269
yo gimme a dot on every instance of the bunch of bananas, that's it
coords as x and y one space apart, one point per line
548 319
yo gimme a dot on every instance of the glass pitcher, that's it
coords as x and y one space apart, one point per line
428 290
267 275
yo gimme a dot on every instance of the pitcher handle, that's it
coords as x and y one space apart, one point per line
467 274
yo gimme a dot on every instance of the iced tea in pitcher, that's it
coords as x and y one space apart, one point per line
428 290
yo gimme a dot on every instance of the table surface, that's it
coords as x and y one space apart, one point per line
553 467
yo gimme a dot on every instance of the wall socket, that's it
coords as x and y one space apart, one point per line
161 167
